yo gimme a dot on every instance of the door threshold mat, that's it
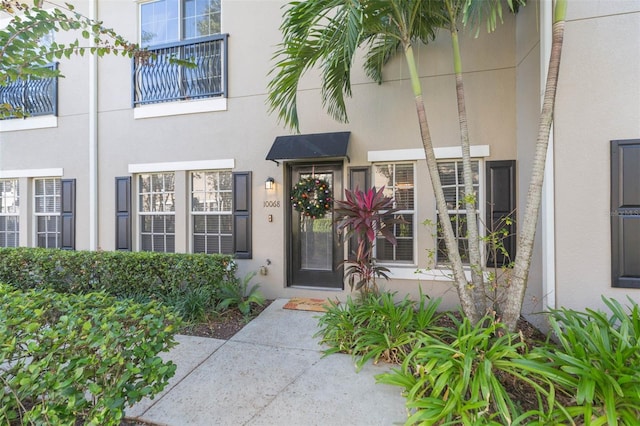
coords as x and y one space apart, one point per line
307 304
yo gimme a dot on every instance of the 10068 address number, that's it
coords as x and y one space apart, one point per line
272 203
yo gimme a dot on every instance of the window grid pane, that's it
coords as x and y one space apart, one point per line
9 213
211 211
47 212
452 179
399 183
166 21
156 192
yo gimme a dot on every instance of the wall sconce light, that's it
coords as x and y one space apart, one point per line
269 183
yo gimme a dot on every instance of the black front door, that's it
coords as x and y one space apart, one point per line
315 251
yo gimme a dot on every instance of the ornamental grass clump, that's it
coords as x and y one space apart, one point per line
595 362
376 327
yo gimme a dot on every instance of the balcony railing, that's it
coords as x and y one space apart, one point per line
158 79
31 96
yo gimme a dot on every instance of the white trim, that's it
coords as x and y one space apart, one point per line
444 275
441 153
93 140
229 163
180 108
30 123
31 173
548 191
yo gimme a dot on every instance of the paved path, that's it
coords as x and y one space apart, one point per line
270 373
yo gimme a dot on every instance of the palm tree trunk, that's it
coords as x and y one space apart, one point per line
462 285
475 260
516 290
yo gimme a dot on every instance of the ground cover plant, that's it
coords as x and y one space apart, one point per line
65 357
455 372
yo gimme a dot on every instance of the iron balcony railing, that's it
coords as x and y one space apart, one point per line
158 79
31 96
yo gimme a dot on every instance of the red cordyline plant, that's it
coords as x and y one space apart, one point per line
364 215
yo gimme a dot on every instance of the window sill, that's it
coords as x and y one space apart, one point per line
444 275
180 108
30 123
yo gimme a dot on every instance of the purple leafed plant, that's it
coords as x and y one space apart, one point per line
363 216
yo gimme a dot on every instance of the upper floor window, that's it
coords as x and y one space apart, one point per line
398 179
168 21
186 30
451 177
9 213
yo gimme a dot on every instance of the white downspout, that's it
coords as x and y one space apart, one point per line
548 188
93 139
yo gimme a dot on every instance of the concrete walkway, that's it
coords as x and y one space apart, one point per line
270 373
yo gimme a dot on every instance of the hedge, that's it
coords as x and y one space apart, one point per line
141 275
66 358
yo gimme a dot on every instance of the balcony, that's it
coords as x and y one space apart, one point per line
31 97
158 79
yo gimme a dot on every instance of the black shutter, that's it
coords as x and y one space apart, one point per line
242 215
359 178
625 213
68 214
501 204
123 213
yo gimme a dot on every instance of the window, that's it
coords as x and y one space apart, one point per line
156 206
47 212
31 96
9 213
398 179
180 29
451 177
211 211
167 21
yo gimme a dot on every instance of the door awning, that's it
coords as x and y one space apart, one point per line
317 145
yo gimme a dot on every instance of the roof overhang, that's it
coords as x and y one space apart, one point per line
317 145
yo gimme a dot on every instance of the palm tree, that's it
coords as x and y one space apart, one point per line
328 33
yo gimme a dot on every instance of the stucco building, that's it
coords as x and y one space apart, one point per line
118 156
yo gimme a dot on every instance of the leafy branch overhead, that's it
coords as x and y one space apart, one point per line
24 52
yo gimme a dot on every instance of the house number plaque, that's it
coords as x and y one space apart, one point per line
272 204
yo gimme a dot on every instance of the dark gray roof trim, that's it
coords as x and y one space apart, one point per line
318 145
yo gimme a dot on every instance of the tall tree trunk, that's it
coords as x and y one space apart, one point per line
473 236
516 290
462 285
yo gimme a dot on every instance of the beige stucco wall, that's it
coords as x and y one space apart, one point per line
598 101
528 113
381 118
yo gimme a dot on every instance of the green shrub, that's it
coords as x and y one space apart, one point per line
236 293
596 362
69 357
455 377
136 275
375 326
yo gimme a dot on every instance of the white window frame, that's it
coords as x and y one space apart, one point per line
478 152
208 213
4 213
142 214
57 207
180 22
413 212
480 211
